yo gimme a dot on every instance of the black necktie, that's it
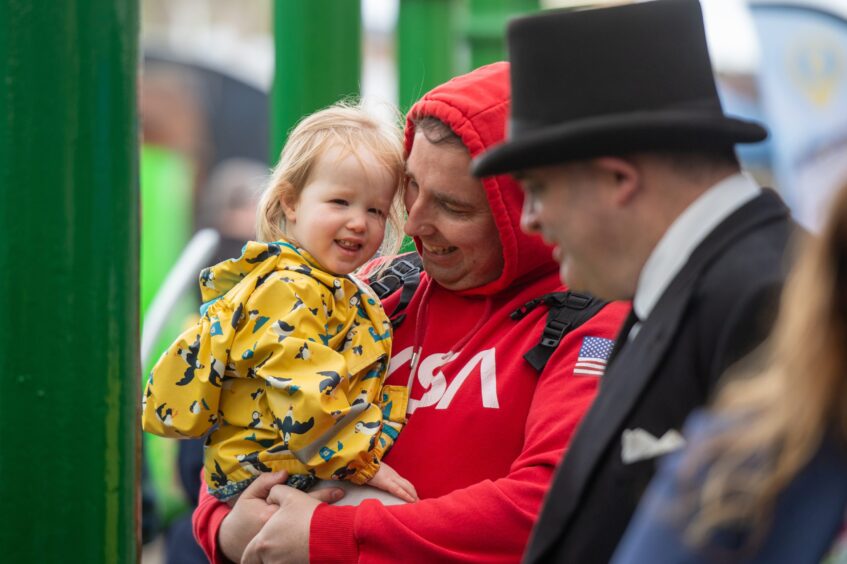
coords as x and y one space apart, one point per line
623 336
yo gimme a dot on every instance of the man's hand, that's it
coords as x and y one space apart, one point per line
387 479
285 537
248 515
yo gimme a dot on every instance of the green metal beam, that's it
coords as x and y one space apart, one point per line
318 60
426 47
69 282
485 27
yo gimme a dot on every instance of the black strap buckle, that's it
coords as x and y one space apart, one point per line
553 332
567 310
521 312
402 268
385 285
575 301
394 277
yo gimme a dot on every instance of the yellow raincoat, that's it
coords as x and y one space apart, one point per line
285 367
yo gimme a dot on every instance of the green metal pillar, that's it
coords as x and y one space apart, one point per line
68 281
485 27
426 47
318 60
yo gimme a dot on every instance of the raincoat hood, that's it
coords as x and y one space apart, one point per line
476 107
261 258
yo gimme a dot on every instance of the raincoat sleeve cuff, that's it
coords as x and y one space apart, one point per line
367 472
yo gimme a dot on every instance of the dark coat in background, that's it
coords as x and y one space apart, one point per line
718 308
806 518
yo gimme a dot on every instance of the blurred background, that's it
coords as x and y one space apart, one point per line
222 82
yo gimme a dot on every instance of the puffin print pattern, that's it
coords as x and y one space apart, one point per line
284 370
189 355
257 319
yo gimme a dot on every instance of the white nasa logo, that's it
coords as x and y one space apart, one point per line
438 393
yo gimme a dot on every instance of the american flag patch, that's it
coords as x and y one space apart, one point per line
593 355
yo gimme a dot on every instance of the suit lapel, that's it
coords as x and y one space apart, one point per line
632 369
627 375
623 335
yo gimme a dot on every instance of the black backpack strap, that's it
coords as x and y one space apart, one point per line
567 311
404 271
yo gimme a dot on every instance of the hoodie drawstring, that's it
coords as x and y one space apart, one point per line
420 322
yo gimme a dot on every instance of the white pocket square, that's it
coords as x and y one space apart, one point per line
638 444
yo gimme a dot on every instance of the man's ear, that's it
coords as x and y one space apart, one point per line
625 177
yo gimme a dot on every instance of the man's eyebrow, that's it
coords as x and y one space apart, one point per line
441 196
447 199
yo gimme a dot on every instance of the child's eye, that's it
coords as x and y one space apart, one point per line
377 212
339 202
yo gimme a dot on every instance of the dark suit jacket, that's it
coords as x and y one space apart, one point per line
718 308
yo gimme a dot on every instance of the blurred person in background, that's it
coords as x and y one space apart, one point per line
765 476
228 203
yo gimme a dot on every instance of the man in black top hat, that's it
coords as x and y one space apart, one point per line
628 165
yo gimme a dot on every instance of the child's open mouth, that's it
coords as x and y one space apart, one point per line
348 245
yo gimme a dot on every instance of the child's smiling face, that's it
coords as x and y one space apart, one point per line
339 216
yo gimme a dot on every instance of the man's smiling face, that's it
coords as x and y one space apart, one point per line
449 214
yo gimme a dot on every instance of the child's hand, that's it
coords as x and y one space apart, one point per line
387 479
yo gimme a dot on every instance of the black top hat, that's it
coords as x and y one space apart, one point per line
628 78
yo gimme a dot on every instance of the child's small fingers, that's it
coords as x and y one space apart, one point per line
397 491
404 490
413 492
407 487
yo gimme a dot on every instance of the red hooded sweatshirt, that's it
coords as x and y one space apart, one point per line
485 430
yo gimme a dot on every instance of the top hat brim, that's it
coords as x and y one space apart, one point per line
669 130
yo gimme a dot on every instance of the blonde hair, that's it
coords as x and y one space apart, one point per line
347 126
779 415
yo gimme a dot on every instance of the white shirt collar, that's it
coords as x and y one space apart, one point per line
684 235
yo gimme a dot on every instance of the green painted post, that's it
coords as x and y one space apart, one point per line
318 60
485 27
426 47
69 282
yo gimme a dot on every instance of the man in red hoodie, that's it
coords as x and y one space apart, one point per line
485 429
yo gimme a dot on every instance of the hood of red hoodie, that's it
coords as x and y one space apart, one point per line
476 107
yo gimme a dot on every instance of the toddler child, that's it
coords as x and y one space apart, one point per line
285 368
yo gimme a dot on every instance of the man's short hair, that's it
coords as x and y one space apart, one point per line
437 132
696 163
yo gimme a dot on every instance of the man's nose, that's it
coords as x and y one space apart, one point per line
417 220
